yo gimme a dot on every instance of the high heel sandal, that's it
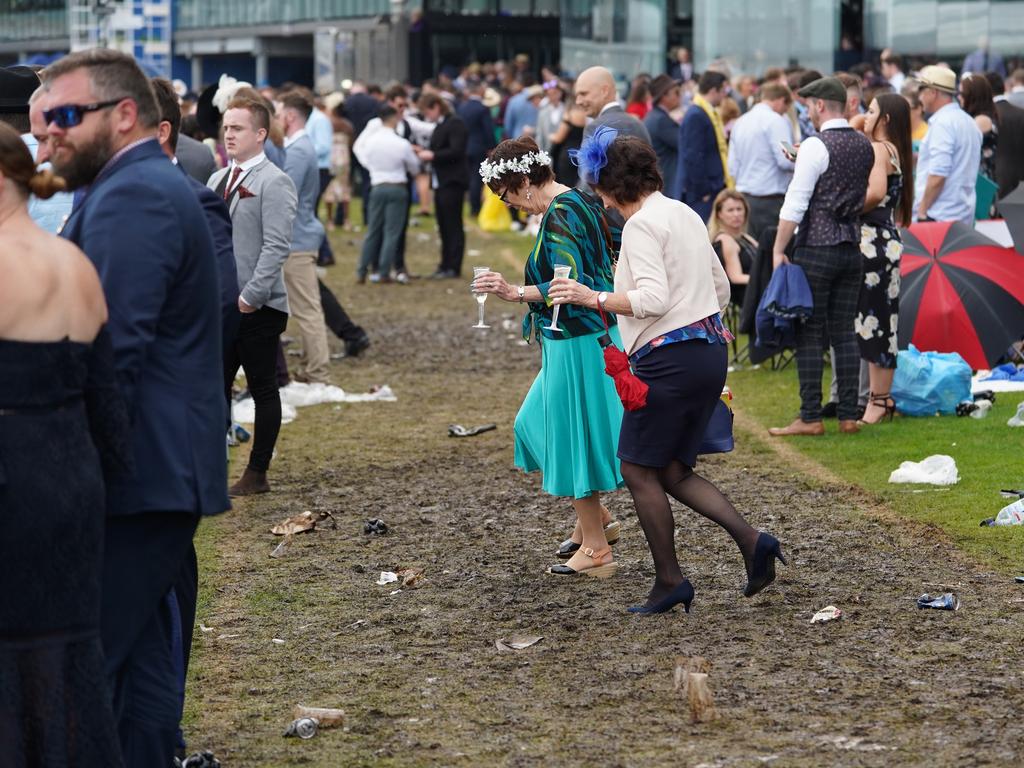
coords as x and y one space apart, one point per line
683 593
762 567
885 402
601 571
568 547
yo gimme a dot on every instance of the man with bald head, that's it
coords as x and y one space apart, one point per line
595 95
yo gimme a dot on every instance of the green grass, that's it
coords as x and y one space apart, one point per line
988 454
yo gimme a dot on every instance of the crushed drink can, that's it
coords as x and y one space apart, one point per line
303 727
945 602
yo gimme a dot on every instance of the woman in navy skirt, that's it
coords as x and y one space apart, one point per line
669 290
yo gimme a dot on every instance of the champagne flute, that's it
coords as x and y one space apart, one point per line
560 271
480 297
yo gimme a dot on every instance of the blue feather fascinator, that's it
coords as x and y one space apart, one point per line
592 155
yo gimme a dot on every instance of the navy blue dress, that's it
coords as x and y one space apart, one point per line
62 426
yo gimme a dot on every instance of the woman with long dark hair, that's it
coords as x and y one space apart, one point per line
977 101
888 205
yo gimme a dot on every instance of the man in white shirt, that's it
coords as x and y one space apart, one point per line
756 160
892 70
947 165
390 161
825 199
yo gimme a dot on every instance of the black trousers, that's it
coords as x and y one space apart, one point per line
834 275
476 184
336 317
255 349
764 213
448 209
143 555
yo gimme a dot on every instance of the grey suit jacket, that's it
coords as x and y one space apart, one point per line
619 119
195 158
300 165
261 220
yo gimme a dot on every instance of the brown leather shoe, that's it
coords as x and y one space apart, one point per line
251 482
798 427
849 427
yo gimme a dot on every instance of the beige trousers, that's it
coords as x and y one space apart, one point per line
304 305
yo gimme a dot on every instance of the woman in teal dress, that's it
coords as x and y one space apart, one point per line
568 425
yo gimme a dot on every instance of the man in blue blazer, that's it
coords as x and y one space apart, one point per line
664 130
701 173
479 138
140 223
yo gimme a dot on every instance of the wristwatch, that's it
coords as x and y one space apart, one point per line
602 297
521 290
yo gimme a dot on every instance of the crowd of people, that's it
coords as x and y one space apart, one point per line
190 230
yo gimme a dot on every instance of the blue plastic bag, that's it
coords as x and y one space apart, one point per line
927 383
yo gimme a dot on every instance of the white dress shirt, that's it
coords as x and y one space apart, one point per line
289 140
246 166
388 157
811 163
756 160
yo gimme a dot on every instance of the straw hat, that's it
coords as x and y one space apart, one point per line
939 78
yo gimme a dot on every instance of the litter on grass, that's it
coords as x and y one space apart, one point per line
306 521
828 613
517 642
457 430
944 602
387 577
934 470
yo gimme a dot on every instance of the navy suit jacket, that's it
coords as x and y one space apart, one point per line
665 141
219 220
479 128
700 171
141 225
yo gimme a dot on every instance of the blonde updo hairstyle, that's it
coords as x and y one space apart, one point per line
17 165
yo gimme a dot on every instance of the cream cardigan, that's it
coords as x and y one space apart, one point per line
669 271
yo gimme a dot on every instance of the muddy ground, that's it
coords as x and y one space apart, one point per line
417 672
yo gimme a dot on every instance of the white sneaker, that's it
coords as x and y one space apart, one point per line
374 277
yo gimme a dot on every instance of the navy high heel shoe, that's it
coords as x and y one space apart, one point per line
681 594
762 566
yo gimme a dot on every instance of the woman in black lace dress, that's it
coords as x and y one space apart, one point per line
62 429
888 205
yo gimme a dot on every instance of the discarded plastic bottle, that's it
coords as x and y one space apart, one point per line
1011 514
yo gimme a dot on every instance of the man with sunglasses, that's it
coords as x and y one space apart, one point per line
141 225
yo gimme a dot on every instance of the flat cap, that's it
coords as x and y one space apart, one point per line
827 88
17 84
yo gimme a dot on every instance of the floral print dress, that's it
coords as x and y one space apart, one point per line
878 304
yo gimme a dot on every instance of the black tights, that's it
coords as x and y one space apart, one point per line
649 486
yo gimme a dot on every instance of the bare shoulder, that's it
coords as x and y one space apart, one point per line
85 282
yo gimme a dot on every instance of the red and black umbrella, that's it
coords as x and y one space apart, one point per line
960 292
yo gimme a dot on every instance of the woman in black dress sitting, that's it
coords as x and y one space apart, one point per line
727 229
62 428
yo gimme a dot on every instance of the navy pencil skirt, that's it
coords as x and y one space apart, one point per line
685 380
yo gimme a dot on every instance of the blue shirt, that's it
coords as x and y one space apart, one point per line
48 214
756 160
321 132
951 149
519 113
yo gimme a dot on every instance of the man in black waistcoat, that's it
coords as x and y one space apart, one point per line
825 199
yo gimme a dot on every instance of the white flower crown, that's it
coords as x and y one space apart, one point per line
490 171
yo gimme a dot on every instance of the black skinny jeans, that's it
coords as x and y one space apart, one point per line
255 349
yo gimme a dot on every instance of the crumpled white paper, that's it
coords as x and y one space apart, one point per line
300 395
244 412
934 470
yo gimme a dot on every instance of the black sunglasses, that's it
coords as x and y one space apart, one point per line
504 196
69 115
